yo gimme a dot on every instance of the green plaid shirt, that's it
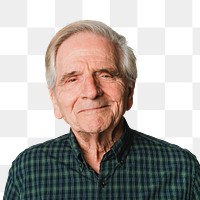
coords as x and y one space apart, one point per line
137 167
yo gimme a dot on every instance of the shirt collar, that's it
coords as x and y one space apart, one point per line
119 150
74 144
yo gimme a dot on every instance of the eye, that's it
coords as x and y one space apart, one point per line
106 75
72 80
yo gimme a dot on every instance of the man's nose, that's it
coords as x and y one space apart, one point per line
90 88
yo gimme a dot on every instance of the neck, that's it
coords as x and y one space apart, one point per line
95 145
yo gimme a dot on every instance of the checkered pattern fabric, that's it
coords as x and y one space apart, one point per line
137 167
165 36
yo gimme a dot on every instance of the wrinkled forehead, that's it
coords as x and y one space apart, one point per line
86 44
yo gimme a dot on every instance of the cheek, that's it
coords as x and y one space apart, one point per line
118 97
66 101
67 105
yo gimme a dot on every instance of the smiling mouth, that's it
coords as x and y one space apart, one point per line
93 109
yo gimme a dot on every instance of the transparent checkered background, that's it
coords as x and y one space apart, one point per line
165 35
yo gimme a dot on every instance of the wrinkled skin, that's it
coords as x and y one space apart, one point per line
90 94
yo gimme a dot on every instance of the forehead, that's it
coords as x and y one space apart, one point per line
85 44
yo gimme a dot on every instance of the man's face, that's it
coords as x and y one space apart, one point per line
90 93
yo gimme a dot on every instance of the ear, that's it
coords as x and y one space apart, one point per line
130 97
57 112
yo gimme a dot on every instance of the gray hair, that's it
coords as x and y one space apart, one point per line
127 58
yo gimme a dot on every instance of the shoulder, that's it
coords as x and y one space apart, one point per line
172 165
160 150
42 152
36 161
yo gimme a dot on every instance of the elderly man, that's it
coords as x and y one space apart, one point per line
91 74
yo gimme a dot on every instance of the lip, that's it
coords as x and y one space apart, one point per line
93 109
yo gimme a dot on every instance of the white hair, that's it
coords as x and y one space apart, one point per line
127 59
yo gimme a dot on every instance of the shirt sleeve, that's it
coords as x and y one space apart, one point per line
11 191
196 186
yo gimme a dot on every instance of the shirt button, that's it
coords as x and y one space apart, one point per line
103 184
122 162
81 167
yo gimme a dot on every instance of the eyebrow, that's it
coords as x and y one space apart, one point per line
114 72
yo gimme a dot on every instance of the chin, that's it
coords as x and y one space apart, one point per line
95 128
95 125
